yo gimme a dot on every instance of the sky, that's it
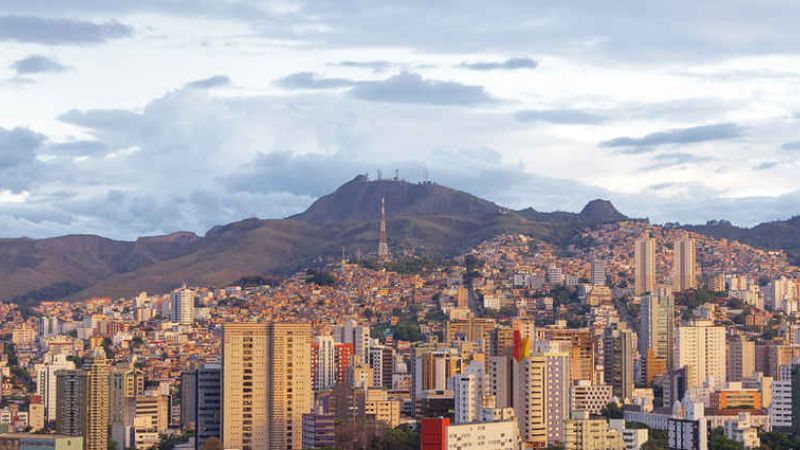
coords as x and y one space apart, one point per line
126 118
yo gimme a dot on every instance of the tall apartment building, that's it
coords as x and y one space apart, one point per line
530 374
468 387
83 407
350 332
46 381
95 435
644 265
188 399
598 272
581 351
701 349
618 359
656 331
266 385
323 363
182 306
124 383
557 391
741 361
683 265
208 403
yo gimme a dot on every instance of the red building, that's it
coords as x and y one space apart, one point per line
433 434
344 357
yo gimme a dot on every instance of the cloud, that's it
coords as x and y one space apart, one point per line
310 80
375 66
412 88
559 116
18 146
666 160
791 145
37 64
75 148
690 135
208 83
509 64
103 119
767 165
40 30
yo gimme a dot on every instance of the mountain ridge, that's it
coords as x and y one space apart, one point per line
425 217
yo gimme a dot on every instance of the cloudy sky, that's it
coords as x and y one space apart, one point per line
127 118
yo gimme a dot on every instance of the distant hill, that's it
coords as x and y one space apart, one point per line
780 234
425 217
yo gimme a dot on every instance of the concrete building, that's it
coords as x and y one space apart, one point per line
683 264
618 362
585 433
439 434
741 361
46 381
589 397
266 385
656 331
324 363
529 399
644 265
701 349
468 388
208 401
182 306
319 430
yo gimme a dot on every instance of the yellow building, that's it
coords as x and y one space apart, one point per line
584 433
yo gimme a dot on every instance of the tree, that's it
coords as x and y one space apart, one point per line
656 440
612 411
718 441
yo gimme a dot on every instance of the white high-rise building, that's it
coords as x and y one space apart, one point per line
46 381
326 362
182 306
468 386
530 376
701 348
557 389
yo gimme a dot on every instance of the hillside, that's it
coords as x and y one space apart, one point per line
424 217
780 234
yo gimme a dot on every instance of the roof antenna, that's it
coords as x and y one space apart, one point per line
380 175
396 174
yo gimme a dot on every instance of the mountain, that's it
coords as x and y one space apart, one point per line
350 202
779 234
425 217
595 212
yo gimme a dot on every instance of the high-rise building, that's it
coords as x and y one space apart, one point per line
83 406
530 374
70 413
182 306
598 272
350 332
208 402
95 435
266 385
741 359
557 390
468 388
618 359
188 399
644 265
581 344
701 349
324 363
343 358
683 265
124 383
46 381
656 331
